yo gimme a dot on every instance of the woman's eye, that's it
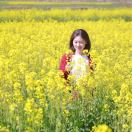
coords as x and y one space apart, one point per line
78 42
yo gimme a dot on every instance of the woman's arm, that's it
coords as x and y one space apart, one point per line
63 63
63 66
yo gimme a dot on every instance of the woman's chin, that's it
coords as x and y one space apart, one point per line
78 50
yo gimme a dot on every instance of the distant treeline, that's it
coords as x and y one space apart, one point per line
40 4
124 1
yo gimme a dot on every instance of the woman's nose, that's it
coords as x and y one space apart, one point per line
78 44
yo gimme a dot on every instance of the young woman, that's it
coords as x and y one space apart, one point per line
76 62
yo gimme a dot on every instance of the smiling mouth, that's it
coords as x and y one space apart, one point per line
79 48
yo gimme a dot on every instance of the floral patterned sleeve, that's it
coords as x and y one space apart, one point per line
90 63
62 67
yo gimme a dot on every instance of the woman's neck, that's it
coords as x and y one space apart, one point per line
78 53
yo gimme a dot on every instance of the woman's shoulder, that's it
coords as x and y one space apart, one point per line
67 55
87 54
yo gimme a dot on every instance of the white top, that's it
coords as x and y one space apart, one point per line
79 66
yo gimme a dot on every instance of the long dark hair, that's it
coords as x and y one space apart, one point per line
84 35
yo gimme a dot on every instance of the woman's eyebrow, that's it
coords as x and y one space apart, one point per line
77 40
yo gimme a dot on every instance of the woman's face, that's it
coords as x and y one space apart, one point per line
79 43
